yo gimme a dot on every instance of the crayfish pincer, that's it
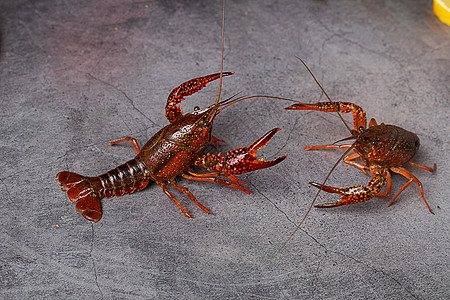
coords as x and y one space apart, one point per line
171 152
381 148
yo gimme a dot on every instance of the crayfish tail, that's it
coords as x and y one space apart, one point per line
85 191
88 191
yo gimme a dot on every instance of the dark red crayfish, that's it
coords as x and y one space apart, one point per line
171 152
382 148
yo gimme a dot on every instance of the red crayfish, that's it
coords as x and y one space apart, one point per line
171 152
382 148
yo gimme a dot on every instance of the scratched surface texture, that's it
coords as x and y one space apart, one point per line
75 75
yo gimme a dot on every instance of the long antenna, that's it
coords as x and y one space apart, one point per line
221 58
312 203
334 104
329 174
224 104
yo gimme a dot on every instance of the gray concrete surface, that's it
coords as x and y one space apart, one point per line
75 75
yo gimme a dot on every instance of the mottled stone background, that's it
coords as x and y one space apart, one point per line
75 75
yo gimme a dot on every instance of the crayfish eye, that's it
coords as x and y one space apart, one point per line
196 109
374 142
361 128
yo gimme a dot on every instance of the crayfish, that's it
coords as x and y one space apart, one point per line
172 152
381 148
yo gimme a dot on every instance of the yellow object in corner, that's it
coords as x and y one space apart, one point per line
441 9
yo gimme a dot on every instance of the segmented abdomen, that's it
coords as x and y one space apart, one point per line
127 178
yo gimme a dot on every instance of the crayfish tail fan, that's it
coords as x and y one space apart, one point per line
85 191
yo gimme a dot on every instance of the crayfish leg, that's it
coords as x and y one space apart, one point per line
348 159
215 141
233 178
186 191
346 146
128 139
213 177
172 197
411 177
372 122
423 167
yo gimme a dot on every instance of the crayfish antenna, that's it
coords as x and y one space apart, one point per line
299 106
352 137
312 203
221 57
224 104
323 90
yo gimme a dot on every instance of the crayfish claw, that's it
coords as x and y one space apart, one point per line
178 94
240 160
300 106
262 141
326 188
352 194
329 189
328 205
247 160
